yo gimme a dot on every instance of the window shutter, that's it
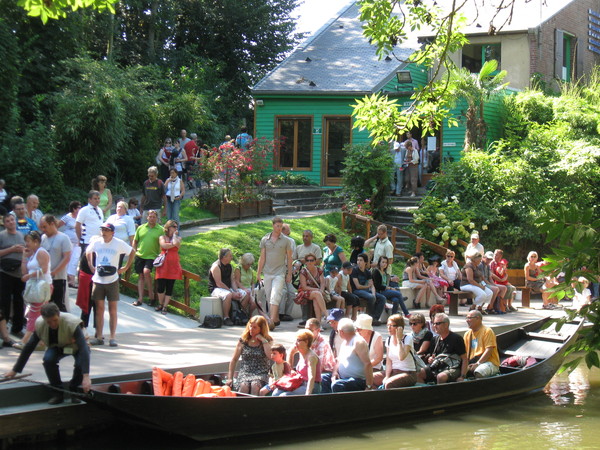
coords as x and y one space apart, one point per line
558 53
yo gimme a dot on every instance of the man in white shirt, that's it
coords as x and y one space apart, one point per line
383 247
475 244
87 225
105 255
32 209
399 154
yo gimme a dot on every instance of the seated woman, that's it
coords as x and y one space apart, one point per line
435 309
221 285
312 285
243 275
583 295
534 278
364 327
421 336
333 254
400 368
309 366
255 349
410 279
358 246
439 283
472 280
450 271
381 281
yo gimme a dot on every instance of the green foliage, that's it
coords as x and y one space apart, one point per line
535 106
190 211
56 9
289 178
366 175
573 234
31 165
8 78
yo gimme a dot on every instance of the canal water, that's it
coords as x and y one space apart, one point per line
565 415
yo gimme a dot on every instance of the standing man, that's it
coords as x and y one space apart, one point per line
399 155
105 256
383 247
243 139
24 223
153 195
12 244
353 371
58 246
33 202
411 161
290 290
276 263
415 146
147 247
453 367
481 347
62 335
191 151
87 225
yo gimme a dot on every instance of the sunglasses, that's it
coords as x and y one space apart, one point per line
414 323
438 323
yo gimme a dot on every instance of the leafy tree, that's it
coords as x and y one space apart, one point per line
477 89
390 23
56 9
573 235
366 176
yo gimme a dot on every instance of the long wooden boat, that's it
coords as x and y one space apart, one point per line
212 418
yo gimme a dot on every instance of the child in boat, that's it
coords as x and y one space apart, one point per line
333 287
279 368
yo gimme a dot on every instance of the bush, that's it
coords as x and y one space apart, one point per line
366 176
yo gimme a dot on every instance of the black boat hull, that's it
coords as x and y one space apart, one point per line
210 418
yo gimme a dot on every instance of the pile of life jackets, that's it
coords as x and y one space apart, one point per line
176 385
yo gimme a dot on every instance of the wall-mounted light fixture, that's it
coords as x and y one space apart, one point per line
404 77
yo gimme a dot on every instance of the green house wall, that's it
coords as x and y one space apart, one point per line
316 107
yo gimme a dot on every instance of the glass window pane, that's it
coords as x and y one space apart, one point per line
337 137
286 147
304 148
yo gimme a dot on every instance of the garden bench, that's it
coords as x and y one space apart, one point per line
454 296
516 277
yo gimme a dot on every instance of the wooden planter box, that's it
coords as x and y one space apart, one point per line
232 211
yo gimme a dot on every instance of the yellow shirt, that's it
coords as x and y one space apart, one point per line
476 342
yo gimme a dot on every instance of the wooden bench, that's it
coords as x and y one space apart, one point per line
516 277
454 296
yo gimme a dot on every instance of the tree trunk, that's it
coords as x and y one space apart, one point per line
152 32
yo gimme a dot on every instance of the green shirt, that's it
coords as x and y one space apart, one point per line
147 238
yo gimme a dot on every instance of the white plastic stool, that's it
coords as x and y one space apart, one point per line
210 306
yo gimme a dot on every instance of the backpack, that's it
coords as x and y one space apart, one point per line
212 321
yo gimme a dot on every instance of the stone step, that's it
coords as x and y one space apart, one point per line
281 210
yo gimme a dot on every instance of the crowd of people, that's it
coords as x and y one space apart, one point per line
355 357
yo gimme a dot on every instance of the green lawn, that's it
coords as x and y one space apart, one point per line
190 212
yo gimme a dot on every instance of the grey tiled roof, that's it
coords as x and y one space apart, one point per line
338 59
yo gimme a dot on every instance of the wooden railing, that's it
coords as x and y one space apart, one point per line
420 242
185 306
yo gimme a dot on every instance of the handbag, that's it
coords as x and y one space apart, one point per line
160 259
444 361
37 290
419 363
212 321
289 382
9 264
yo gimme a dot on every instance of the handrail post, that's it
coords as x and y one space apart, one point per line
368 232
418 248
344 221
186 290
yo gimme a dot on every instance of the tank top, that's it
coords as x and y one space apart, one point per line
174 188
345 280
303 366
225 277
33 265
246 276
349 364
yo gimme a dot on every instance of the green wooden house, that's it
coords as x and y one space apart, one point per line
306 101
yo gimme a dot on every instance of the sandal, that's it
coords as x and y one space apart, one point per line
163 311
137 303
158 308
417 305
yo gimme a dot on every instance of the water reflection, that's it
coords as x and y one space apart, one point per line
576 383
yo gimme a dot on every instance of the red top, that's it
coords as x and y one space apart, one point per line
171 268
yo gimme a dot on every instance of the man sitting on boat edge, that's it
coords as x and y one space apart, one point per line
448 361
353 371
63 335
480 344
